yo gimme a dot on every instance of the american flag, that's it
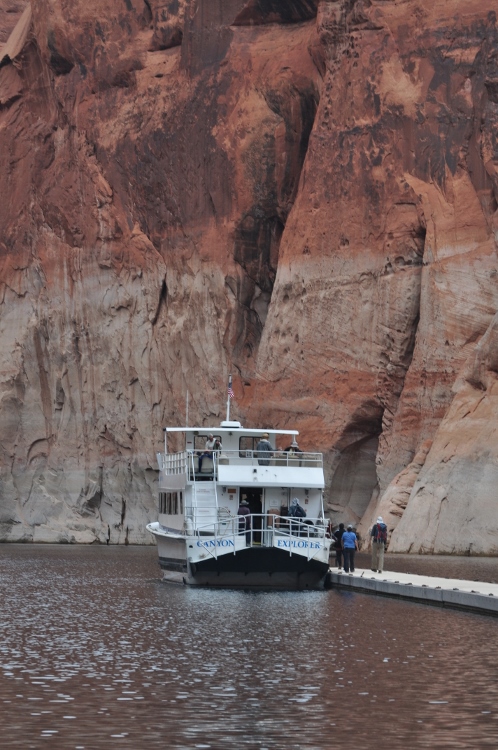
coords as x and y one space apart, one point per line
231 394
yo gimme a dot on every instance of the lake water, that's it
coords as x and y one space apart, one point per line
96 653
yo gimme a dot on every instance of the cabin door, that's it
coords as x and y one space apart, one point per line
254 496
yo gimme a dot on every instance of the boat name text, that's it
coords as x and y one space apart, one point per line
301 544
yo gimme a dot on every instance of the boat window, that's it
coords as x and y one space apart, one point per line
247 444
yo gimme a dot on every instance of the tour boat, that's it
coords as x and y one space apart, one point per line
206 536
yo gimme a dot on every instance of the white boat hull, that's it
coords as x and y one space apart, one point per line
287 563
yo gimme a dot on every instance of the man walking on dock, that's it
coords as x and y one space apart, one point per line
379 541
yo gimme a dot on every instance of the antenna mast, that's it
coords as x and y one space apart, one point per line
229 396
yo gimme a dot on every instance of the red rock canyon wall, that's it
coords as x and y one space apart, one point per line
302 193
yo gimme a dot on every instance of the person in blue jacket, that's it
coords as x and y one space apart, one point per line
349 547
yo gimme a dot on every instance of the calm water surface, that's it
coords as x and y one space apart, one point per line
96 653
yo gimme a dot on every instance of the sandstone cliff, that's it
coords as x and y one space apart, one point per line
303 193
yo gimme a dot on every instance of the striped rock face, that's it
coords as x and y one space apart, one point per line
300 193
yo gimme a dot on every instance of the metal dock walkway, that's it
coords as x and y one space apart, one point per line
448 592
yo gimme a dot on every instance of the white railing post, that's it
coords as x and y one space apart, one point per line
215 480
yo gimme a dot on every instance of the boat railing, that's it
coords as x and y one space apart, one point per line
205 463
173 463
270 458
261 530
188 462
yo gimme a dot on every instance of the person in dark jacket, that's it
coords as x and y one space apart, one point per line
293 448
264 450
244 514
338 545
297 511
349 547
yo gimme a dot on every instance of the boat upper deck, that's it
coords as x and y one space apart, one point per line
232 468
237 461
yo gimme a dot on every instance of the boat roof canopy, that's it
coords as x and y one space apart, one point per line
234 427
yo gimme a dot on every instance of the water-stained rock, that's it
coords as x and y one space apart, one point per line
301 193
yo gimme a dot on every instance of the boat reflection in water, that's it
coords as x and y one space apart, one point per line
204 533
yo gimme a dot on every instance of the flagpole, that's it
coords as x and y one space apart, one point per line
186 411
228 398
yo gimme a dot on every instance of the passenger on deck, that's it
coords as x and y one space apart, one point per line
293 448
264 450
208 450
297 511
245 522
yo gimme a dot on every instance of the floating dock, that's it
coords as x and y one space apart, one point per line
475 596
